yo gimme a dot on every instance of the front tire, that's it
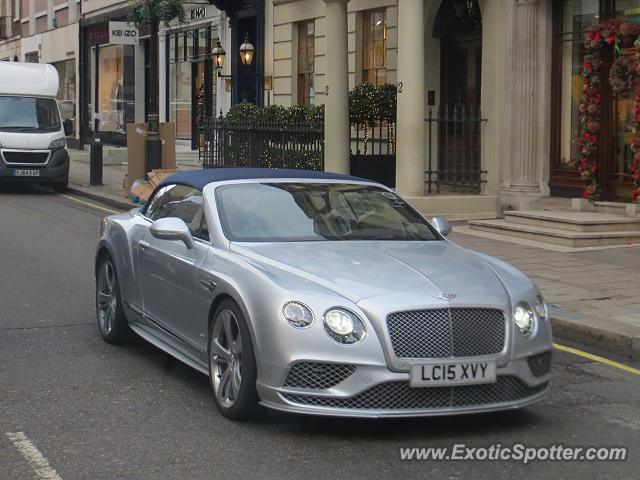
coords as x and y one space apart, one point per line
232 364
112 320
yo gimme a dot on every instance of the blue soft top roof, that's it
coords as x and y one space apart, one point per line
199 178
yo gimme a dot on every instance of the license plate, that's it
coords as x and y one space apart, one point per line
26 173
452 373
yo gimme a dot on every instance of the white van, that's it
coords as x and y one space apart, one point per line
32 134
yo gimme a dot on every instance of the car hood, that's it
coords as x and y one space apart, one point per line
411 274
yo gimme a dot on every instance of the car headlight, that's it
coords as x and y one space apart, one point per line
525 320
343 326
541 308
58 143
297 314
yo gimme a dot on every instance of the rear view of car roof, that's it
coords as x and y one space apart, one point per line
199 178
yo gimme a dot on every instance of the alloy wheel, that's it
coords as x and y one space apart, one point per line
226 358
107 297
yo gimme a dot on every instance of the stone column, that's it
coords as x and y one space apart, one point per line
73 11
529 78
51 14
336 115
526 94
410 147
32 18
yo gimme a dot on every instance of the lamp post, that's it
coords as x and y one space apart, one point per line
153 144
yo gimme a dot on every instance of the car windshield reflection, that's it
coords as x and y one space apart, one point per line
294 212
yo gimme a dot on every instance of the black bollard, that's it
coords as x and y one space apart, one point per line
95 164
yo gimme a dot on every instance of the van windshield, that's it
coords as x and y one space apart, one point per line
28 114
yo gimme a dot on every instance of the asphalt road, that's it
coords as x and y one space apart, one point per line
88 410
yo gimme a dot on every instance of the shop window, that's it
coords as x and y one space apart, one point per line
572 21
374 47
306 62
67 89
115 95
578 17
32 57
187 98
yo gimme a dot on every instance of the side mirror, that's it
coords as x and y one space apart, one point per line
441 225
68 127
172 228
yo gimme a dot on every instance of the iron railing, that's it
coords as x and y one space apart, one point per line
265 144
373 152
454 151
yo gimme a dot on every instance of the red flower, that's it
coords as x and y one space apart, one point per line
593 168
585 194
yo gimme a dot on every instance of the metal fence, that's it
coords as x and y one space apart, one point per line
373 152
454 151
265 144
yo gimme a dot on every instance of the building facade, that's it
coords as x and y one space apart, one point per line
10 30
44 31
518 62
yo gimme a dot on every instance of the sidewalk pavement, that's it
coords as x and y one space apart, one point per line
594 295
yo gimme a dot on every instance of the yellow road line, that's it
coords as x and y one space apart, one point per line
597 358
89 204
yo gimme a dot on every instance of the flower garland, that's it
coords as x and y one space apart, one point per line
590 125
613 33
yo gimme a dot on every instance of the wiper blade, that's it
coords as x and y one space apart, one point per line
16 128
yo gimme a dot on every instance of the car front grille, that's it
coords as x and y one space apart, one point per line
439 333
400 396
540 363
318 375
25 157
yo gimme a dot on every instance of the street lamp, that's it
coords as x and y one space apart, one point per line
246 50
218 54
246 54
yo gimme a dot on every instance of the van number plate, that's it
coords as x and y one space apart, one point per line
26 173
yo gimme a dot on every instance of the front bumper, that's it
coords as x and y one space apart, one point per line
375 391
56 170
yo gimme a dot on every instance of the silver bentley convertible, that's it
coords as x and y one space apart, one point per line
318 293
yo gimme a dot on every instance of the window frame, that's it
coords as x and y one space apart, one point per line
303 74
369 42
198 233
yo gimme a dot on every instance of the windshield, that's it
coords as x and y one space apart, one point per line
293 212
28 114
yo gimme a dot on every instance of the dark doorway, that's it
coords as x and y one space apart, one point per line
246 87
459 27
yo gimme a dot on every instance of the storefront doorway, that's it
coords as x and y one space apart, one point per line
191 92
572 19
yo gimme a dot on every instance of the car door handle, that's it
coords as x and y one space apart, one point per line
143 245
209 284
